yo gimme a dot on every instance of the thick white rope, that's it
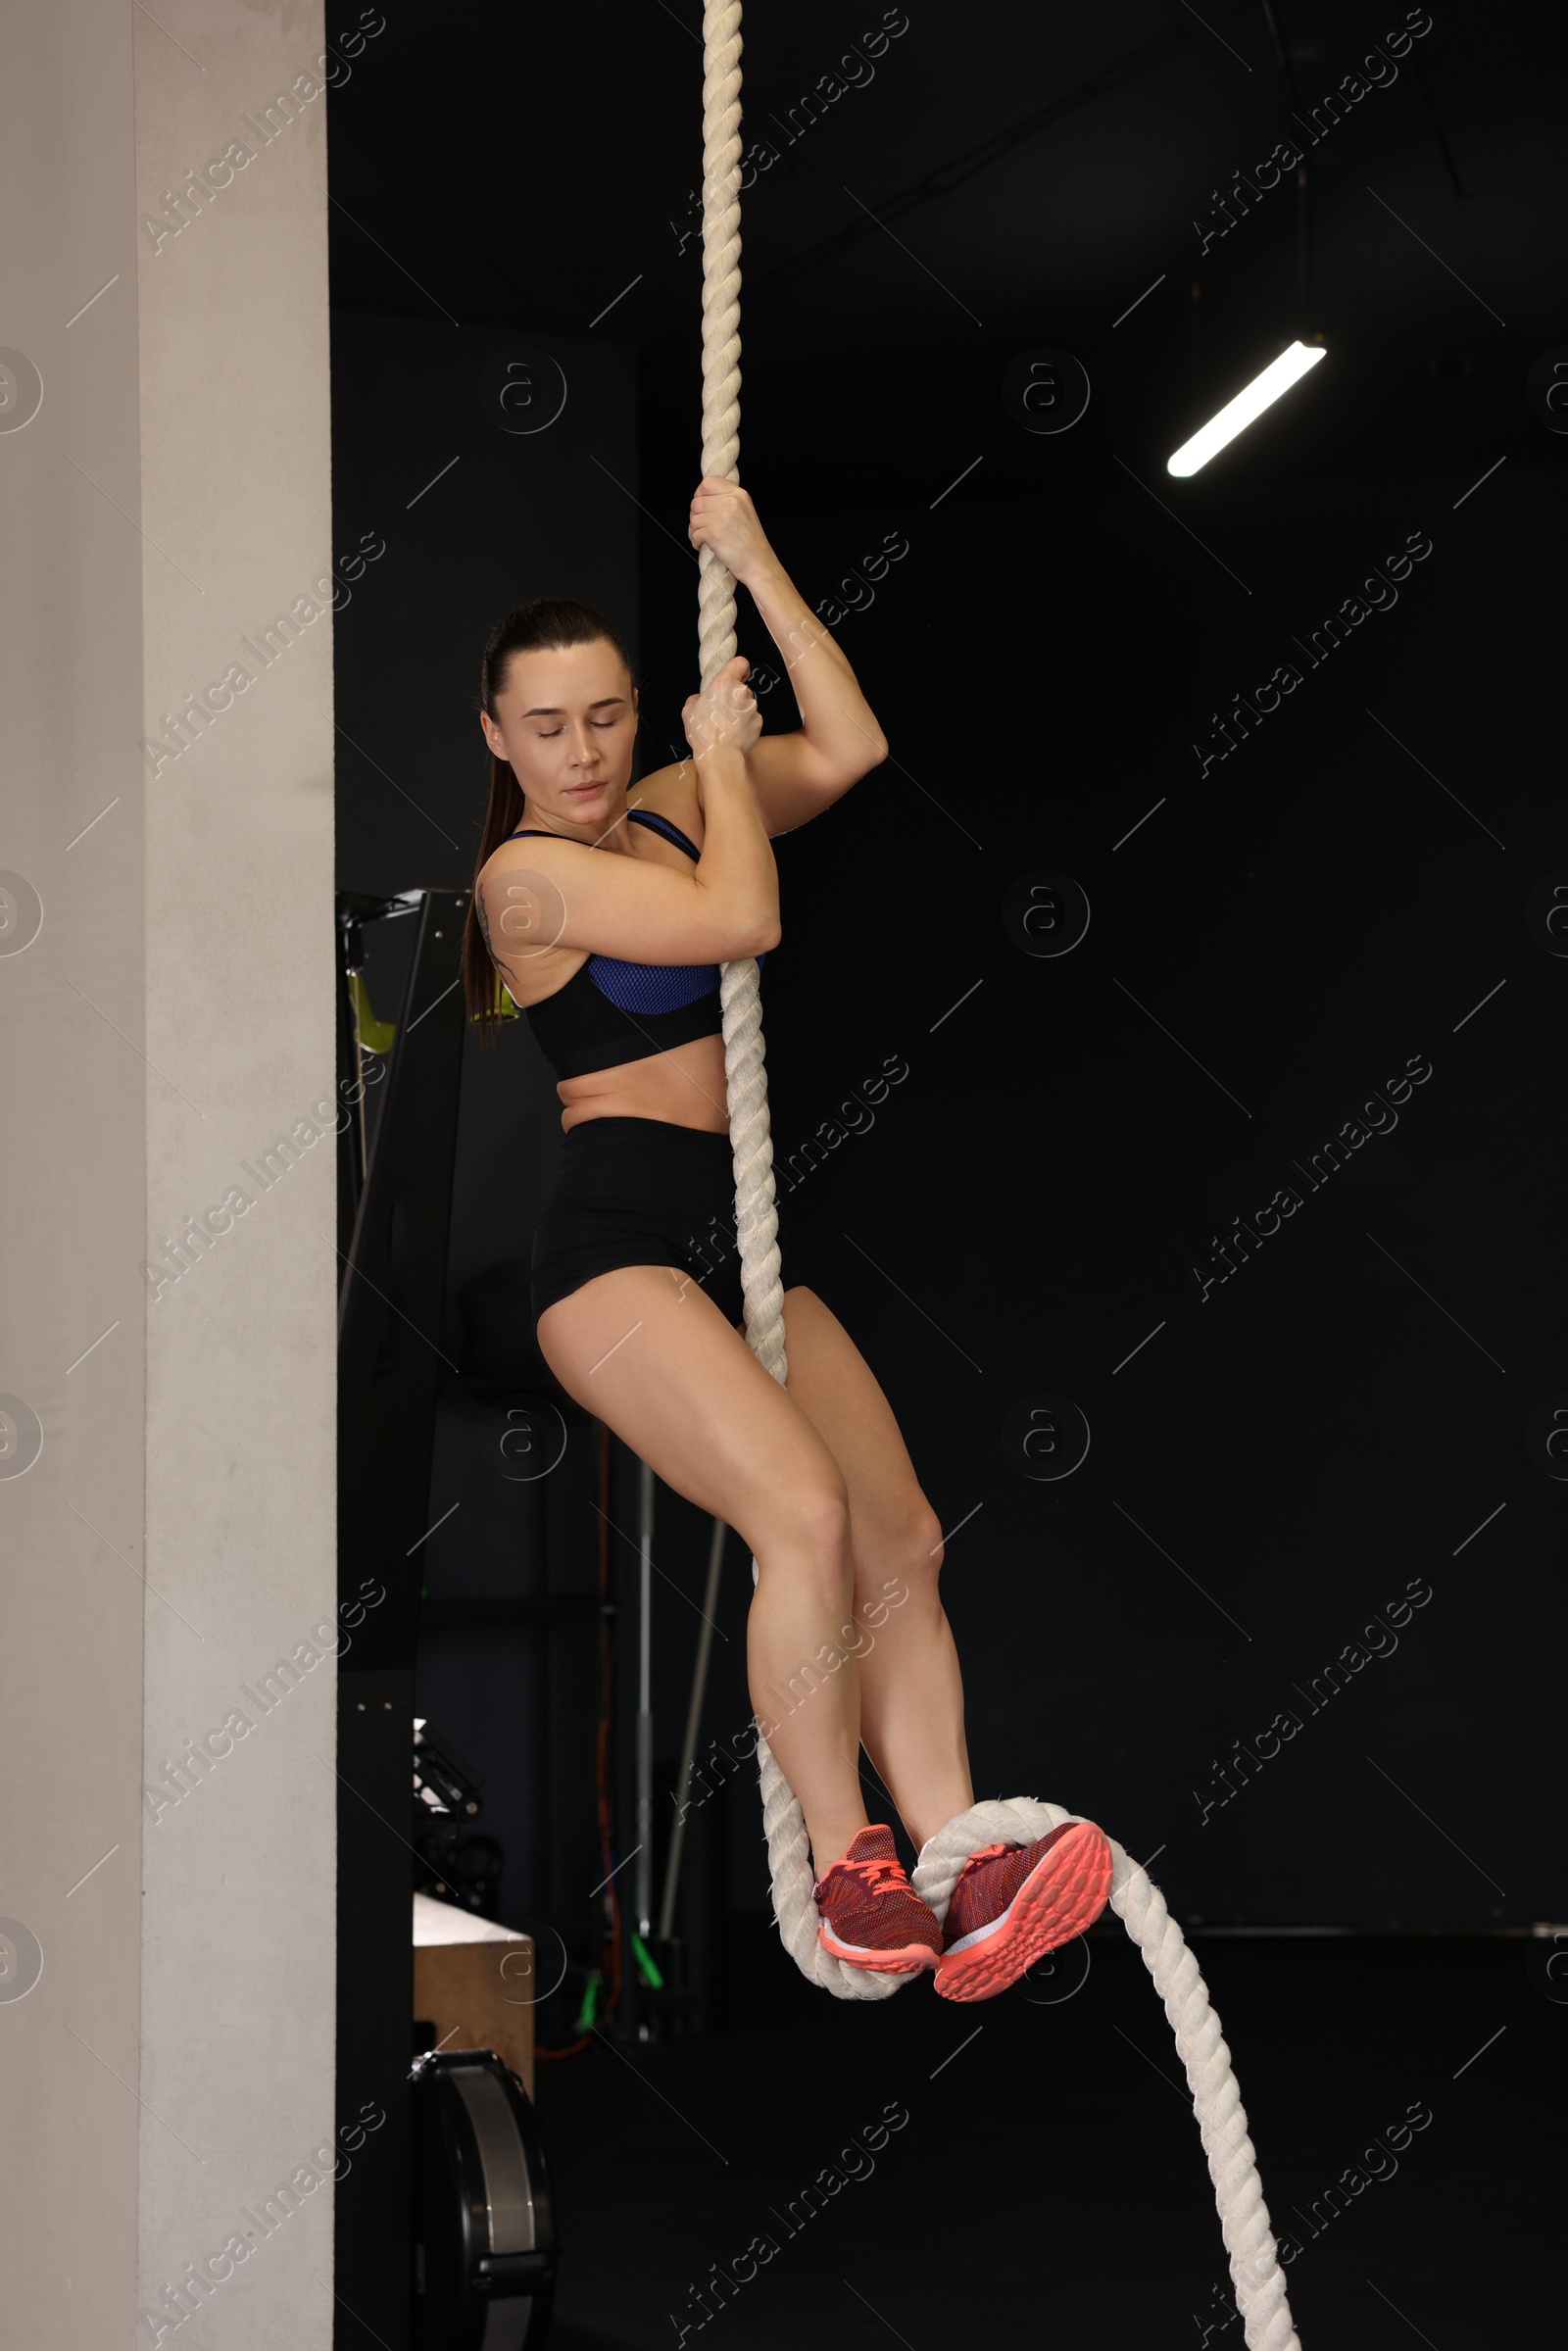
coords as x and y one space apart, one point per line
756 1219
1221 2120
1255 2271
755 1215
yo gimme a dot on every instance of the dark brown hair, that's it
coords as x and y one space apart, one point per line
547 626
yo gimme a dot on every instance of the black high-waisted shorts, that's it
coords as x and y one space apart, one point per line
642 1192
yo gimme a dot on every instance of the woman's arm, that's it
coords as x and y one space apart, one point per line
537 893
797 775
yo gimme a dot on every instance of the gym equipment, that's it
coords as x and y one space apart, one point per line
395 1204
484 2225
463 1866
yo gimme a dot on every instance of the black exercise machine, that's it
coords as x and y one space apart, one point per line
447 2236
469 2260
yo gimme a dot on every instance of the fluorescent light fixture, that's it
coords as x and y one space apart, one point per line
1238 414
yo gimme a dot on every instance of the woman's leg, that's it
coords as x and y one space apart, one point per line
911 1694
645 1351
1012 1907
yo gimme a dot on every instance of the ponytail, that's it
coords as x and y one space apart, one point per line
481 982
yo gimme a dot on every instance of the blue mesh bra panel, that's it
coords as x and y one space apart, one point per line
652 987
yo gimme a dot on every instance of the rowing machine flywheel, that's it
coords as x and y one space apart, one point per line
484 2225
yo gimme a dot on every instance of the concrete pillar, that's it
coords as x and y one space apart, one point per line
168 1268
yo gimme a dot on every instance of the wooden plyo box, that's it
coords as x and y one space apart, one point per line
477 1990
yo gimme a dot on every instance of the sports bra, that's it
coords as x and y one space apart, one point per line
610 1012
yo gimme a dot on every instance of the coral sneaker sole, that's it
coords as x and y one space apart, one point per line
1064 1894
906 1961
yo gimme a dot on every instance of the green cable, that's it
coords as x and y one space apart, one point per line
645 1961
589 2009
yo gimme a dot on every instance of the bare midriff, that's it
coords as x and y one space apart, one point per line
684 1087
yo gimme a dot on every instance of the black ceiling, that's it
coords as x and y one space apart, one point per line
1031 172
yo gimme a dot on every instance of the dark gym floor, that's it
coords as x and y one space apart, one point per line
1049 2184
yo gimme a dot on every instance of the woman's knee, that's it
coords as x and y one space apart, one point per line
905 1562
815 1508
808 1523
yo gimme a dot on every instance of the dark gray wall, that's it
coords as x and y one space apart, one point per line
516 516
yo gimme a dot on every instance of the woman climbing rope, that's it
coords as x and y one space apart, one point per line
656 1058
605 909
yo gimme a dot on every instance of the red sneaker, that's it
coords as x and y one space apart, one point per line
1013 1902
871 1915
